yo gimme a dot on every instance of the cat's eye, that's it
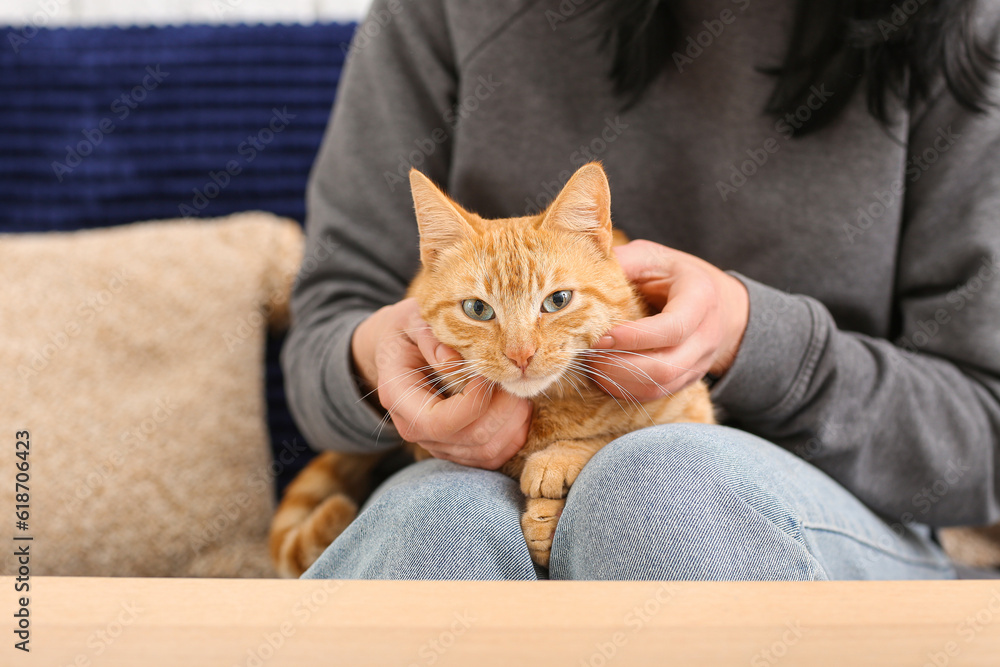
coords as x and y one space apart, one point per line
556 301
478 309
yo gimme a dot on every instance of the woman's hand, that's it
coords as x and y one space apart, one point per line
702 316
395 351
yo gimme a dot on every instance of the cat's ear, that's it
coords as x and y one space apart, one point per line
584 206
440 220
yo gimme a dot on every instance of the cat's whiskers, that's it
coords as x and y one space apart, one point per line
640 354
626 394
575 379
627 324
446 382
429 381
490 386
427 400
637 373
407 332
409 392
463 381
623 408
485 391
428 367
574 355
486 388
634 369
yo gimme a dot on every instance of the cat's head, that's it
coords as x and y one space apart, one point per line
518 297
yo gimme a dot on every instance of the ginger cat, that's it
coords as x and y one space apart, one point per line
522 300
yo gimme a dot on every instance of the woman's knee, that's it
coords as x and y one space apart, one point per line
438 493
680 501
674 460
684 448
434 520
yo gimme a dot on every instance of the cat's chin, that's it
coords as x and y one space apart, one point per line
528 387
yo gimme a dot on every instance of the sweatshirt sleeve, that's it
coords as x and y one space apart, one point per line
396 92
910 426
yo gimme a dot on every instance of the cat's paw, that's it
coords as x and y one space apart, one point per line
539 525
550 472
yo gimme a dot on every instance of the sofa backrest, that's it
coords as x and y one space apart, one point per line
107 126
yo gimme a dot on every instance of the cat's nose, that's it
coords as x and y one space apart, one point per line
521 356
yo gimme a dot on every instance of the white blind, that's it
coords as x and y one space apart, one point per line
43 13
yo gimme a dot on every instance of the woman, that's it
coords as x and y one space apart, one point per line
817 188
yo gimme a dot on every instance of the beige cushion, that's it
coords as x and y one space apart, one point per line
134 356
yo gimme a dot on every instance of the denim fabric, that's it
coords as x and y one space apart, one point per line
681 501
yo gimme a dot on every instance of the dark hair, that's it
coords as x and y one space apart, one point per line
839 43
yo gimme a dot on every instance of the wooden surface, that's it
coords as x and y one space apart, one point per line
186 622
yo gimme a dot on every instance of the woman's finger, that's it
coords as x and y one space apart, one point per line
491 440
435 352
650 375
438 418
685 310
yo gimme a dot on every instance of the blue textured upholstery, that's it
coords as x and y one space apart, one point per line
76 154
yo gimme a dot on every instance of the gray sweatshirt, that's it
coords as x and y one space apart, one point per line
871 254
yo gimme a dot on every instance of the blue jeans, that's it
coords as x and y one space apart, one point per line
674 502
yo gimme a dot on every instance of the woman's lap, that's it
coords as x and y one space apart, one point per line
681 501
433 520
